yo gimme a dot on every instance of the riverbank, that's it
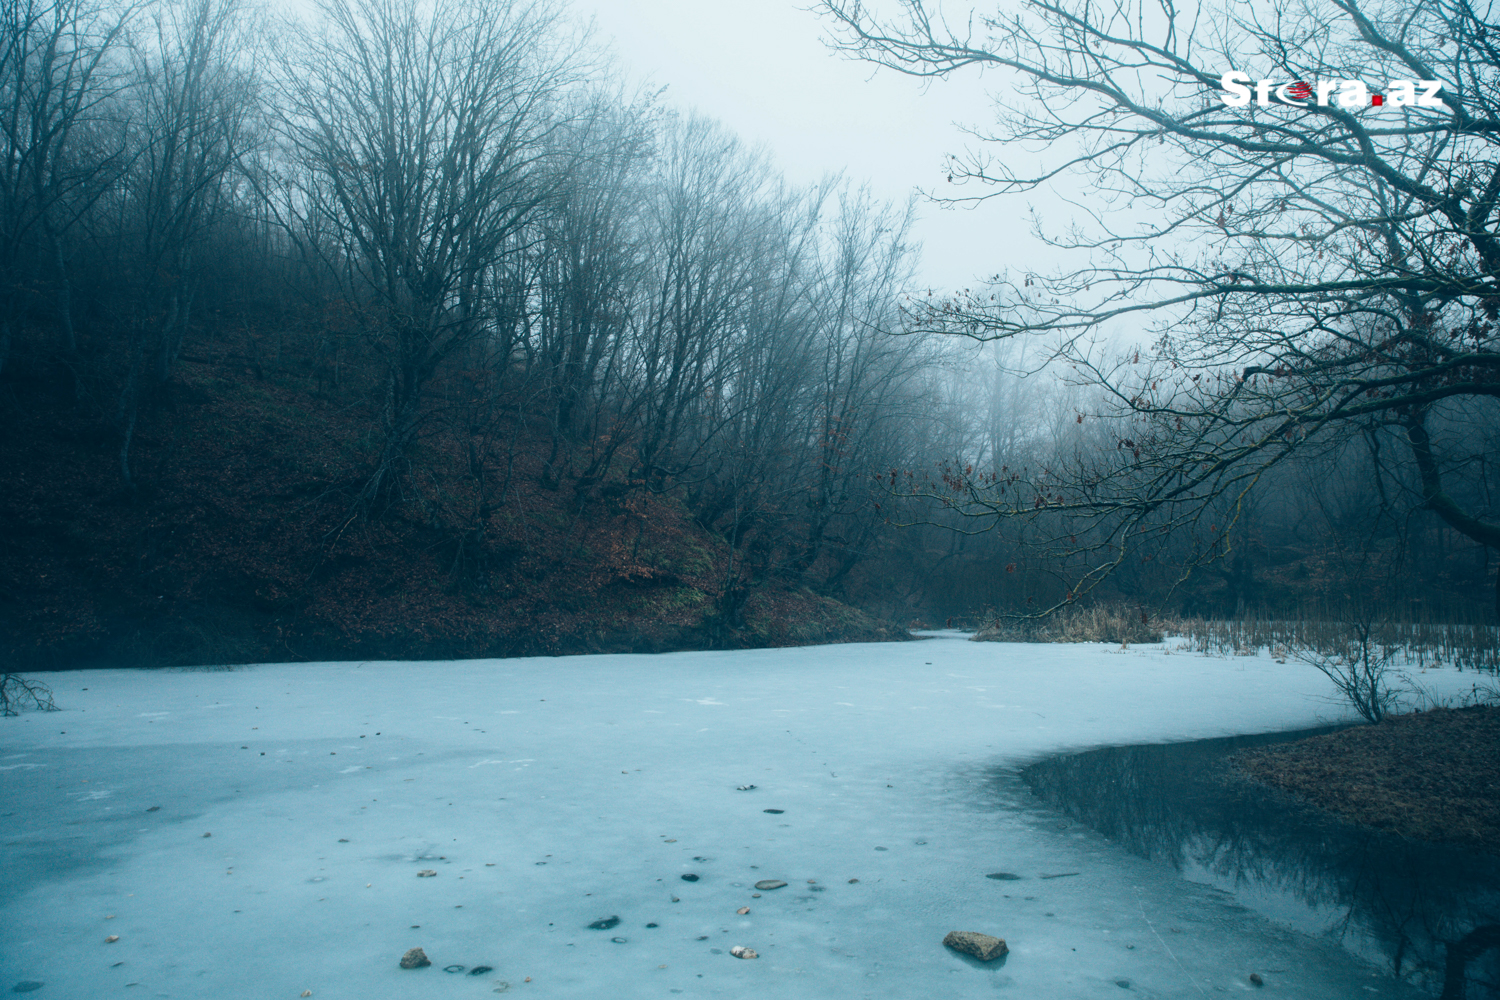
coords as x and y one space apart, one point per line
1431 776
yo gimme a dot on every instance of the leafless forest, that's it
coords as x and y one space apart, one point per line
409 327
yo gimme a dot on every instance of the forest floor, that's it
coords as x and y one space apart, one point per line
236 543
1432 775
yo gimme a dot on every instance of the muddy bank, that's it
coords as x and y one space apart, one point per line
1431 776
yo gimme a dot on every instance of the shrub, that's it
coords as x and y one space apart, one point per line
1095 623
16 691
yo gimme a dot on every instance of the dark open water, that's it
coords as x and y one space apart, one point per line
1428 913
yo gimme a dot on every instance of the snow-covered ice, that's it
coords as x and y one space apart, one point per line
298 802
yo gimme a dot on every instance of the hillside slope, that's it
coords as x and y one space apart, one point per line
238 544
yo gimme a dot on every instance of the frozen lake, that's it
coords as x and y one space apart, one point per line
259 832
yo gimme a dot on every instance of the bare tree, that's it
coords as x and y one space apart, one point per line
56 82
1315 264
194 110
421 136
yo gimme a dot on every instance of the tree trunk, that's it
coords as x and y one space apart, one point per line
1438 501
130 407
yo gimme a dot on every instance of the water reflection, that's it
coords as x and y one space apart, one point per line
1429 912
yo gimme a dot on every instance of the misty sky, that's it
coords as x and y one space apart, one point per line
761 67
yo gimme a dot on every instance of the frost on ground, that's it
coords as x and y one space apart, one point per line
268 831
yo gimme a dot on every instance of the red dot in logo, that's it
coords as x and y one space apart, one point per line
1377 99
1300 91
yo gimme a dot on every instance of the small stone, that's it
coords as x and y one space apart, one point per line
619 940
690 878
480 970
452 969
1255 979
343 840
653 925
777 812
769 883
676 900
882 848
426 873
112 939
672 840
307 993
740 951
208 835
981 946
1003 876
853 880
26 986
415 958
604 923
154 809
743 910
1124 984
755 895
745 788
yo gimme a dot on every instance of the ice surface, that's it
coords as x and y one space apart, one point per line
299 802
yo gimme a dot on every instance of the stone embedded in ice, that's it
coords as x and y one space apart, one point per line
981 946
415 958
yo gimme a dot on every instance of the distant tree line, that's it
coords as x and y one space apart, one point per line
443 210
446 215
1318 279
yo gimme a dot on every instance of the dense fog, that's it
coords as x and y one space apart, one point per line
462 221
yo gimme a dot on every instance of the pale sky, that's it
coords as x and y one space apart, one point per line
760 66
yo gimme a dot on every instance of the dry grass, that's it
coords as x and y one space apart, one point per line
1095 623
1428 775
1420 644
